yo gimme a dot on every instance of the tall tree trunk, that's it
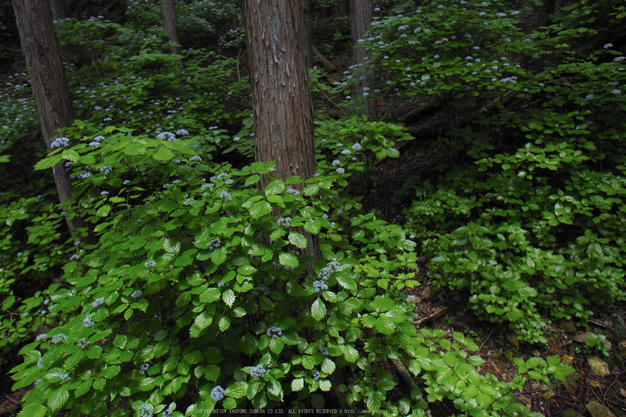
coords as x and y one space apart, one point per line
49 85
60 10
279 79
168 9
360 19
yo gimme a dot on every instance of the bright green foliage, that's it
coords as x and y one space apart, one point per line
182 299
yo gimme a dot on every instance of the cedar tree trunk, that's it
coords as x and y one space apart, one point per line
360 19
279 79
50 90
168 8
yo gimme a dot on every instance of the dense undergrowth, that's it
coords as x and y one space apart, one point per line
180 307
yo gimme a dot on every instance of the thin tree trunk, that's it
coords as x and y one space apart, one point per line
360 19
49 85
279 79
168 9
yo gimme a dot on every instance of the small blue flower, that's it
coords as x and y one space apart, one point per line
196 158
340 170
316 375
146 410
58 338
83 343
41 336
88 322
616 91
284 221
181 132
149 263
98 302
144 368
319 285
274 332
225 196
136 294
258 371
608 45
293 191
589 97
217 393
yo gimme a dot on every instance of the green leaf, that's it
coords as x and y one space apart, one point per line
325 385
392 153
248 344
350 353
83 387
328 366
288 259
297 384
275 187
48 162
59 398
212 372
103 211
237 390
318 310
163 154
476 360
260 208
204 319
297 239
374 401
229 297
33 410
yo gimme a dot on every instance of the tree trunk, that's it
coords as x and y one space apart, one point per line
49 85
60 10
360 19
279 79
168 8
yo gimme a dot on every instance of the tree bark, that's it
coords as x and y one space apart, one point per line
168 9
279 79
60 10
360 19
49 85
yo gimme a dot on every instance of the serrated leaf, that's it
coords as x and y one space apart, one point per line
350 353
260 208
212 372
374 401
204 319
318 309
297 239
103 211
110 371
48 162
59 398
163 154
33 410
297 384
275 187
229 297
346 282
328 366
83 387
276 345
248 344
288 259
253 179
476 360
237 390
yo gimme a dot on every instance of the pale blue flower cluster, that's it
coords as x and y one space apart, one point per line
316 375
146 410
284 221
88 322
225 196
59 142
274 332
293 191
328 270
83 343
217 393
144 368
149 263
196 158
356 146
340 170
319 285
98 302
66 377
181 132
136 294
57 338
258 371
214 244
106 169
41 336
39 362
168 136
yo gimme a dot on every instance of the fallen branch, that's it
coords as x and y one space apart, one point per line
437 313
328 66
